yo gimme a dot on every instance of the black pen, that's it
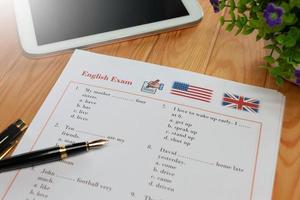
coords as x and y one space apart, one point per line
48 155
10 137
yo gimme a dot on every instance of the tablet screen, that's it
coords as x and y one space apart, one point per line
59 20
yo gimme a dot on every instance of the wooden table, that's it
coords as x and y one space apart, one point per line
205 48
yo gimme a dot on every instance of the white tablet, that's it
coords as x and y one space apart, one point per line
48 26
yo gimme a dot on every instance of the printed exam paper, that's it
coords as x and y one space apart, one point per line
172 134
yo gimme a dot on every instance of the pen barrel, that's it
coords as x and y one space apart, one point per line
41 156
77 148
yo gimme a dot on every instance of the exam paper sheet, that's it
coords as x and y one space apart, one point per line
173 135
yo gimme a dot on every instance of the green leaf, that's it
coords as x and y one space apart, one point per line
244 19
270 46
265 66
290 18
239 31
239 22
273 47
275 71
297 57
222 5
286 75
294 32
247 30
290 41
232 15
222 20
241 6
279 80
255 8
254 23
269 59
277 49
232 5
230 27
295 3
280 39
258 37
253 15
286 7
285 55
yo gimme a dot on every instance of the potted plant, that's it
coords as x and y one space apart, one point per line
276 21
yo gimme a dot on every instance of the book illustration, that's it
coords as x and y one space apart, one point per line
240 102
152 86
190 91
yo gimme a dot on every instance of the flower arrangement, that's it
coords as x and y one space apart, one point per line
276 21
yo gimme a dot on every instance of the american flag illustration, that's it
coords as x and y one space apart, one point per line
240 103
190 91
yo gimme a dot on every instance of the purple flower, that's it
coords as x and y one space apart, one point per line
297 73
298 81
273 14
216 5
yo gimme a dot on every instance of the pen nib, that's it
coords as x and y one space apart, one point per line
97 143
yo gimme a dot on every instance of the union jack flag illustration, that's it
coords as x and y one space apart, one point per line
190 91
240 103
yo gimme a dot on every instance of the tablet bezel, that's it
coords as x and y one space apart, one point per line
29 42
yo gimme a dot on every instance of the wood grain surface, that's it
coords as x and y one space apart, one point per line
205 48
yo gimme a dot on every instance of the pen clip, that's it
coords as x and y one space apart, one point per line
9 149
11 136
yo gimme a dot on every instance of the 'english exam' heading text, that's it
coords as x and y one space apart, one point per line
105 77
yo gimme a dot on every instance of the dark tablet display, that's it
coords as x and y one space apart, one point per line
59 20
